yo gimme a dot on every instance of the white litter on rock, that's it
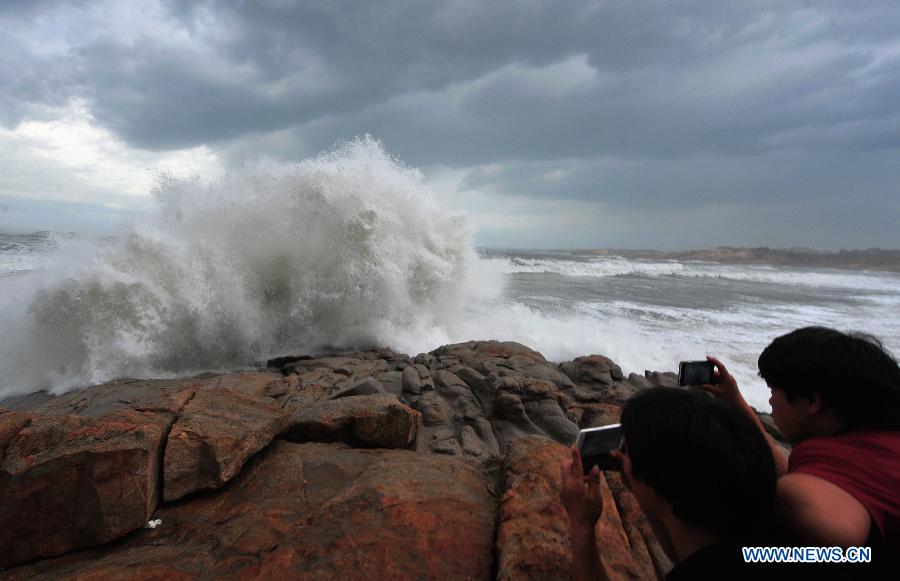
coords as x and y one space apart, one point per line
152 524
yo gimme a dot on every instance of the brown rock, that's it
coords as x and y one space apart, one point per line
662 378
533 538
621 559
216 432
365 420
392 381
411 382
313 511
11 423
248 382
476 354
163 395
599 414
645 548
592 370
639 381
364 386
68 482
548 373
434 410
533 530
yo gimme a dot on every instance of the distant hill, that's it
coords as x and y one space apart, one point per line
869 259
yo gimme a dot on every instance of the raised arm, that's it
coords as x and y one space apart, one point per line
726 388
583 502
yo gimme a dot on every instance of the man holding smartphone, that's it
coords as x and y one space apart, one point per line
701 472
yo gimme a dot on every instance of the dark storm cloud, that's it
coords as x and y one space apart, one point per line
262 66
638 104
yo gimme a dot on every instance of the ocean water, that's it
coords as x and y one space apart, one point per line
352 249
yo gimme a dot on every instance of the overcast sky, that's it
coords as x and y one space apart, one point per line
642 124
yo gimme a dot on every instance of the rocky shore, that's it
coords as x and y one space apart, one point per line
373 463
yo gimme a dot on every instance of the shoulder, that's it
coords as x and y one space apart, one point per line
863 450
817 510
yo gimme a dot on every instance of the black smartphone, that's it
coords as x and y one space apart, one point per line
695 372
595 445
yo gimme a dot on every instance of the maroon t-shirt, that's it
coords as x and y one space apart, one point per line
865 464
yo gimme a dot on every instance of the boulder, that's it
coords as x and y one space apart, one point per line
11 423
313 511
616 393
599 414
592 370
662 378
546 372
639 381
216 432
392 382
410 381
364 386
365 420
434 410
68 482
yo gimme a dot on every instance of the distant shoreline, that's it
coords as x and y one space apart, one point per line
869 259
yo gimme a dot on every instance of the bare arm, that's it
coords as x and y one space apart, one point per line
726 388
585 558
820 513
583 502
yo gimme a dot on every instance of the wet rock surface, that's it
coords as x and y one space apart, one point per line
372 463
376 421
216 432
313 511
68 482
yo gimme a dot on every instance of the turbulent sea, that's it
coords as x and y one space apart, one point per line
351 249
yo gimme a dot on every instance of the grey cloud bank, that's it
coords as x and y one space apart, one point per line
649 124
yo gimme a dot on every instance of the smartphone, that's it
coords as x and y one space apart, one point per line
695 372
595 445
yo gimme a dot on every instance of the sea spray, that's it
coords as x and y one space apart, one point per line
349 249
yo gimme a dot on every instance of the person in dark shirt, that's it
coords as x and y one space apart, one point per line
701 472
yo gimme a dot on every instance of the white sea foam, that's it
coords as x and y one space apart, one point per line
598 267
351 249
601 267
346 249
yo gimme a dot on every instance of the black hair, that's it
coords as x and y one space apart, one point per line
852 372
705 457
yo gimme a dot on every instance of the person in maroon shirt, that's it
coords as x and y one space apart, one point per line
836 398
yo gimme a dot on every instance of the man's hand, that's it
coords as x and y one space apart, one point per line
724 385
580 495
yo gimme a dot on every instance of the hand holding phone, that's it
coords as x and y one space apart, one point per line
596 446
724 386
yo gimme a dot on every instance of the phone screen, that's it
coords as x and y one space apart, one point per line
695 372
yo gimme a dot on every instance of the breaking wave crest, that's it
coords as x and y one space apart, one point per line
344 250
603 267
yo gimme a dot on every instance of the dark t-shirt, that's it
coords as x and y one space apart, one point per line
723 561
